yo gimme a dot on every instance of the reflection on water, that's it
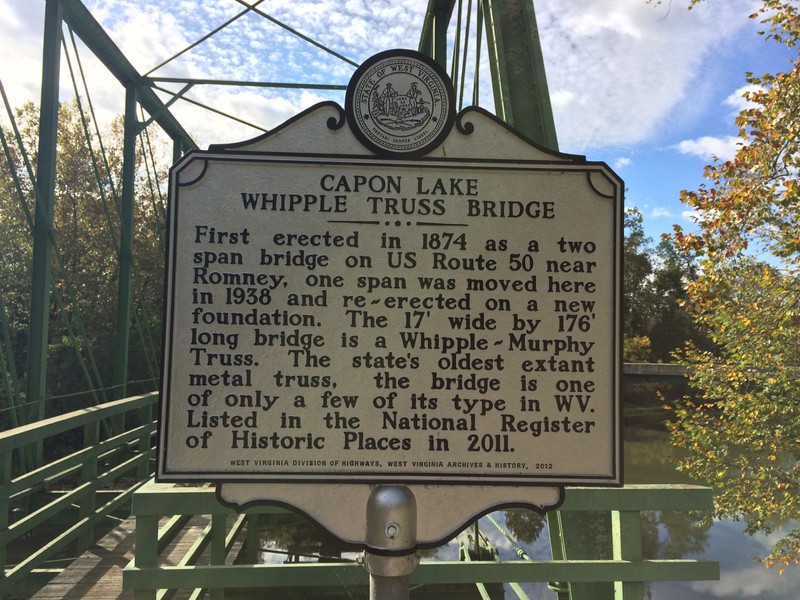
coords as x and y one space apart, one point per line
741 577
649 458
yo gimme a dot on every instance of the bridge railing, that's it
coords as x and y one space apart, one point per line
152 573
91 475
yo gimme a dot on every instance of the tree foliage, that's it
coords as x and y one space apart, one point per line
85 266
744 436
654 324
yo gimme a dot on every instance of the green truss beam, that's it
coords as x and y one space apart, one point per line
103 47
518 77
42 247
519 82
433 40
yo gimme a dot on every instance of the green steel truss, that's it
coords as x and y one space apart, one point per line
517 81
503 31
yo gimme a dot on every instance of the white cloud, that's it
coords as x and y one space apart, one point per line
622 162
598 18
615 70
309 99
21 49
736 99
660 212
749 582
710 148
689 215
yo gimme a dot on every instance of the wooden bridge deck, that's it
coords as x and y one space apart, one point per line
97 573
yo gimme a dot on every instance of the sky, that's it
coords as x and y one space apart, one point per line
650 88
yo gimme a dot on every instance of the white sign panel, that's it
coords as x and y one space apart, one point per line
343 319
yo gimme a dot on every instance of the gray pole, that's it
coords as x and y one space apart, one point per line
391 541
388 588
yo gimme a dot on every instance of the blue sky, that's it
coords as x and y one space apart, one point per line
650 89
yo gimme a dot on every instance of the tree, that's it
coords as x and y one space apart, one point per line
654 325
743 437
671 326
636 276
86 233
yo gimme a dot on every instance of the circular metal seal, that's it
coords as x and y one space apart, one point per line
400 103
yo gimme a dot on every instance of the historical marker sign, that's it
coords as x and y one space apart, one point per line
336 315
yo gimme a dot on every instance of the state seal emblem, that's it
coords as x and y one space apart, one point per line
400 103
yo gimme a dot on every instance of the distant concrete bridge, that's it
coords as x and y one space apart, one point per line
653 372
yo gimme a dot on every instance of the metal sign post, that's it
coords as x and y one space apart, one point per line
391 541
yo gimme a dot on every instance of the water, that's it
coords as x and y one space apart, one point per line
649 458
726 542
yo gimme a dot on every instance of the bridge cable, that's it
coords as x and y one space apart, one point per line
456 49
213 110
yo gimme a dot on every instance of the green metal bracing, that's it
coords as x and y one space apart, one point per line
522 100
139 320
80 341
149 571
26 456
509 24
300 35
519 83
44 245
504 29
146 149
148 341
189 83
210 108
8 368
42 248
125 256
10 377
117 389
93 379
518 76
104 461
433 40
88 136
80 21
101 45
205 37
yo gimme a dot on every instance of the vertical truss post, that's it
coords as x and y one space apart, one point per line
88 504
433 40
626 531
125 256
441 19
515 59
41 277
6 457
581 536
177 150
218 531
